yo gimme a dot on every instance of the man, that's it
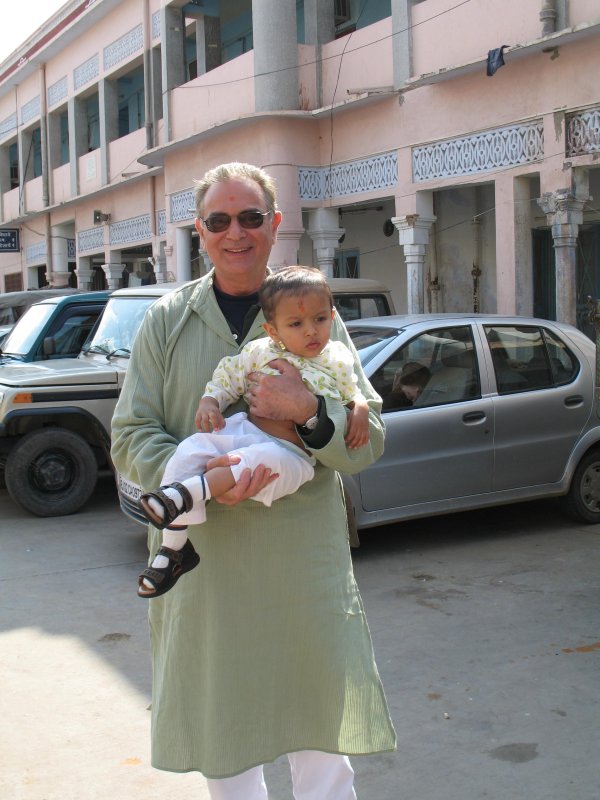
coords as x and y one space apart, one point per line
263 649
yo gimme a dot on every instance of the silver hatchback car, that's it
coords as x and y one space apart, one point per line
479 411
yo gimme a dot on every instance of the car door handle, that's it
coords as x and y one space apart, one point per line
473 416
574 401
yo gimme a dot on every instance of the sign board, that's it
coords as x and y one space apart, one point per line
9 240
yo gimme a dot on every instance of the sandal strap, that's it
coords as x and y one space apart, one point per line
176 556
188 500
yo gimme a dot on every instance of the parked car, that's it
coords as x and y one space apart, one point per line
55 416
14 304
53 328
508 414
355 298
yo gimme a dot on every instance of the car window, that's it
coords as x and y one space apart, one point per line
434 368
73 330
529 357
351 307
22 337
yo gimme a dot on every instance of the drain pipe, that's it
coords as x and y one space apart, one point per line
548 17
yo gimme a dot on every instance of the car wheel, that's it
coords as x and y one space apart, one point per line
51 472
583 500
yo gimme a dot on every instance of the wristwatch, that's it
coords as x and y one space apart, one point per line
312 422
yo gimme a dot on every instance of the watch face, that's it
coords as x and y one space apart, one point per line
311 423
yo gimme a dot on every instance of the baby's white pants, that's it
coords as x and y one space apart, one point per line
239 437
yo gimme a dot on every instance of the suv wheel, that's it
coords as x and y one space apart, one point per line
583 500
51 472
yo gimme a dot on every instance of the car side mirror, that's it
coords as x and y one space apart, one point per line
48 346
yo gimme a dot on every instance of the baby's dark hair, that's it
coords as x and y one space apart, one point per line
291 281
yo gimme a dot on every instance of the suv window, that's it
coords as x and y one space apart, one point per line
527 358
72 330
351 306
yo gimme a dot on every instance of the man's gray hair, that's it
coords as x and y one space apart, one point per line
231 172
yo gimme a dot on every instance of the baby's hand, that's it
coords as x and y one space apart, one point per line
357 430
208 417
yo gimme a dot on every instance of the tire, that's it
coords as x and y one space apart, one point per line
51 472
583 500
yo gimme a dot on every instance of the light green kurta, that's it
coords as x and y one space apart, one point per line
264 648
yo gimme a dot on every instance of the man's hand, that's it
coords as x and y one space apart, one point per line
249 483
282 396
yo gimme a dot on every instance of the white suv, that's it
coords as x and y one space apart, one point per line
55 416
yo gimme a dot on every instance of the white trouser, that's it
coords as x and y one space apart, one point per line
239 437
315 776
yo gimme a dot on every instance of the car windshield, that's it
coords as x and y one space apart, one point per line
22 337
370 341
118 326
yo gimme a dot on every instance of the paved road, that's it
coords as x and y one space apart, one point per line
486 628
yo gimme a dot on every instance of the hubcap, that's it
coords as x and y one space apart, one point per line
52 472
590 488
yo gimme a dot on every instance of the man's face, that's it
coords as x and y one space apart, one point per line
240 255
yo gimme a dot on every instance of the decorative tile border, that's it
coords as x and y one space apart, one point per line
156 25
351 177
583 132
90 239
161 222
125 46
8 126
30 110
480 152
86 72
182 206
57 92
130 230
35 252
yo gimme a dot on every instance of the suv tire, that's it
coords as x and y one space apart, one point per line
51 472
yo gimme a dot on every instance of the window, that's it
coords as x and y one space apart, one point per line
13 162
346 264
36 152
435 368
130 91
527 358
64 138
92 110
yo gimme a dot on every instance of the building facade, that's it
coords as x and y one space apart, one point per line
447 148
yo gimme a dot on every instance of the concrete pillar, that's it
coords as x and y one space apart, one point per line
564 212
275 55
401 42
208 265
324 230
183 246
172 55
84 272
319 28
77 139
59 244
414 238
319 22
285 250
108 101
114 273
514 276
208 43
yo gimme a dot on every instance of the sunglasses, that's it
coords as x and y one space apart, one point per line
217 223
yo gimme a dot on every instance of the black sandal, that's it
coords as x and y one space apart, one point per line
164 578
170 510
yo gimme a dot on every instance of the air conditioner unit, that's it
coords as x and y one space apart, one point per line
342 11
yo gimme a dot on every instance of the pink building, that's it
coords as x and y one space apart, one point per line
396 155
